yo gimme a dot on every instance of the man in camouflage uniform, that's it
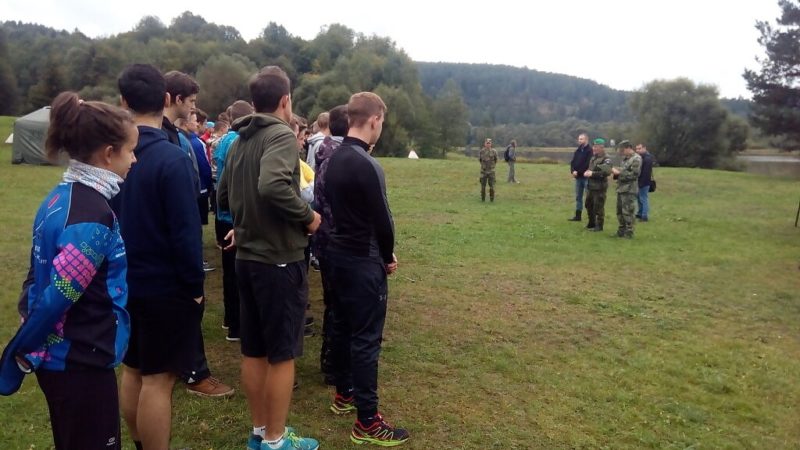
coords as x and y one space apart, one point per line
599 170
627 188
488 159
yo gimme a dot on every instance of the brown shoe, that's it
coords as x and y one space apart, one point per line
210 387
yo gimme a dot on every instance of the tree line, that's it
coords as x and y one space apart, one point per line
433 107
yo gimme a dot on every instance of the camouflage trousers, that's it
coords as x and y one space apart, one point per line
596 207
487 177
626 208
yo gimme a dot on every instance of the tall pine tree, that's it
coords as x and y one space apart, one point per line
776 87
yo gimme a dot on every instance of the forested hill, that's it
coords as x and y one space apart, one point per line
498 94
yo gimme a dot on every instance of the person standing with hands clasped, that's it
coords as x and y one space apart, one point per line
577 167
360 256
627 188
599 170
75 327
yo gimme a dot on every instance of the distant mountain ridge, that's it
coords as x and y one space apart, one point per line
499 94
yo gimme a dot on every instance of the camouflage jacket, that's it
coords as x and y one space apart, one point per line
600 165
628 180
488 158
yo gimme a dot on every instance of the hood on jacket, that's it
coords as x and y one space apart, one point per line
316 137
325 150
149 135
248 126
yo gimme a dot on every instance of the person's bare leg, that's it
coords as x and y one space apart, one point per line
254 378
129 388
280 379
154 417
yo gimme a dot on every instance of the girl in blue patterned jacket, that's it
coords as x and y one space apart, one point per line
75 327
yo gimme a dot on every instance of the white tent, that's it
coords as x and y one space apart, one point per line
10 139
30 132
412 155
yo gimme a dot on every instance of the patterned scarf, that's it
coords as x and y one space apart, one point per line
103 181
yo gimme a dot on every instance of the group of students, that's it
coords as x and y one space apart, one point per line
117 276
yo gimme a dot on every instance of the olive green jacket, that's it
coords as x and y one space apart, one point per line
600 165
628 180
260 186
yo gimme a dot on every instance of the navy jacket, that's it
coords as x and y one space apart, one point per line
580 160
647 170
160 221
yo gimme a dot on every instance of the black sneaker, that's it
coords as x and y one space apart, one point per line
207 267
379 433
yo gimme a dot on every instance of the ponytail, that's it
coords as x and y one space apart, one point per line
80 128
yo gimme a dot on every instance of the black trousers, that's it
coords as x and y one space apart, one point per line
84 408
230 288
358 299
325 362
198 370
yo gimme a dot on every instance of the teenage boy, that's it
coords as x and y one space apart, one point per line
360 254
260 186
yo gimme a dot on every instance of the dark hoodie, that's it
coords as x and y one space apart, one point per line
260 186
321 204
160 222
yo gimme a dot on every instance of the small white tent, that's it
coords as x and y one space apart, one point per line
412 155
30 133
10 139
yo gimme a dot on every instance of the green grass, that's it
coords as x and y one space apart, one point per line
511 328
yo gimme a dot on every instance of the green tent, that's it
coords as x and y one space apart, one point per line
30 133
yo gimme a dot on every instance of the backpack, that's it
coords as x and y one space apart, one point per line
507 154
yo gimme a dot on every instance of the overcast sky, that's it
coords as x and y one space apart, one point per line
620 43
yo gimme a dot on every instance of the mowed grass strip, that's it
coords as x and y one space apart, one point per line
511 328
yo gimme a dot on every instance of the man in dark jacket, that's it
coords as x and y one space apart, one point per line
361 255
644 182
577 167
157 210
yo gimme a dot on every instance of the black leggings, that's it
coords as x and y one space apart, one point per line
84 408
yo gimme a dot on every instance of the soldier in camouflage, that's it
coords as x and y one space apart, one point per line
599 170
627 188
488 159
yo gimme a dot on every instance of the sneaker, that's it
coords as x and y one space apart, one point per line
210 387
342 405
309 321
207 267
315 264
379 433
254 442
230 337
291 441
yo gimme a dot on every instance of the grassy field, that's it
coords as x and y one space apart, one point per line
511 328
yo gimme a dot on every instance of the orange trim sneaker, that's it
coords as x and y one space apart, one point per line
379 433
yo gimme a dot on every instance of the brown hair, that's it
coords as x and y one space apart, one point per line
268 87
323 120
81 128
239 109
362 106
180 85
202 117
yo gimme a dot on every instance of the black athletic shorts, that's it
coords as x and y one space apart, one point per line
84 408
164 334
273 302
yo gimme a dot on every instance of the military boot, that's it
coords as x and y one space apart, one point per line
577 217
591 224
